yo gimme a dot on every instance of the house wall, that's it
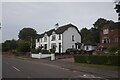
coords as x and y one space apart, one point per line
57 41
37 44
114 37
67 38
89 47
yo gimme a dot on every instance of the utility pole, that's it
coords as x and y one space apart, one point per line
117 7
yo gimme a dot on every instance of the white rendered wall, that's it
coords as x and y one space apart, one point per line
67 38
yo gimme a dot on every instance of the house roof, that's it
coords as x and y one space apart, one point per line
60 30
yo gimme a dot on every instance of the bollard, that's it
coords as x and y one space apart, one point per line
52 57
40 55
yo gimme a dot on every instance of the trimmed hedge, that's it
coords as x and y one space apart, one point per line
105 60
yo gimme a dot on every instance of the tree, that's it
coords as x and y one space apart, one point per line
23 46
9 45
86 35
27 34
100 22
95 35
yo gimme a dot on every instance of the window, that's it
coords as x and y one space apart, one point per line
45 46
116 39
38 40
106 40
53 46
105 31
87 48
72 46
53 38
59 36
72 37
45 39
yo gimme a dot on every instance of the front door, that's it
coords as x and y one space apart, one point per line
59 47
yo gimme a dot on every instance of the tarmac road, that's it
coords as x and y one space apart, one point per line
17 68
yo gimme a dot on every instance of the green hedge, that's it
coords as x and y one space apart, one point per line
105 60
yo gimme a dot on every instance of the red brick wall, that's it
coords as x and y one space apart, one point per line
113 33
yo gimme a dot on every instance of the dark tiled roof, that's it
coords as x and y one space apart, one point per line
40 35
60 30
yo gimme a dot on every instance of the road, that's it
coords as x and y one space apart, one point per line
17 68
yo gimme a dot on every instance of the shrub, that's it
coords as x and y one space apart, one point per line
34 51
106 60
80 59
52 50
117 53
45 51
113 49
24 46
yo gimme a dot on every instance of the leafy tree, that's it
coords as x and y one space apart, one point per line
86 35
100 22
23 46
95 35
28 34
9 45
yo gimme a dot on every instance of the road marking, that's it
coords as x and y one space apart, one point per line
86 76
16 68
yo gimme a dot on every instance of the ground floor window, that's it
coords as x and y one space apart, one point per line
72 46
53 46
45 46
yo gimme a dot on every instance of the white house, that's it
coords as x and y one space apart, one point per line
59 38
89 47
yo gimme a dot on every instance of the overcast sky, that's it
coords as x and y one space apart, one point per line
43 16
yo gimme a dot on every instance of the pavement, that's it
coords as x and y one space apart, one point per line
73 69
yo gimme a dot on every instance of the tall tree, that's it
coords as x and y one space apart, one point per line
27 34
95 35
86 35
9 45
100 22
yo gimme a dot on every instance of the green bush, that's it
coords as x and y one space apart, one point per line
45 51
24 46
113 60
34 51
105 60
112 49
117 53
80 59
52 50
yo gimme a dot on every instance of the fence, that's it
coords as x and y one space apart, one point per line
40 55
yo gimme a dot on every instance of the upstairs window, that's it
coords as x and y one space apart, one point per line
105 31
45 39
41 39
59 36
73 38
53 38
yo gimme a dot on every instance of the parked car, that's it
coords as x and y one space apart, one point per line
72 51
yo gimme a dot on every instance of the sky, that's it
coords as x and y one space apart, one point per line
42 16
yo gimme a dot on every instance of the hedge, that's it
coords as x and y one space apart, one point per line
105 60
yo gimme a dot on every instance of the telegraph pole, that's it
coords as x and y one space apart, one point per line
117 7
